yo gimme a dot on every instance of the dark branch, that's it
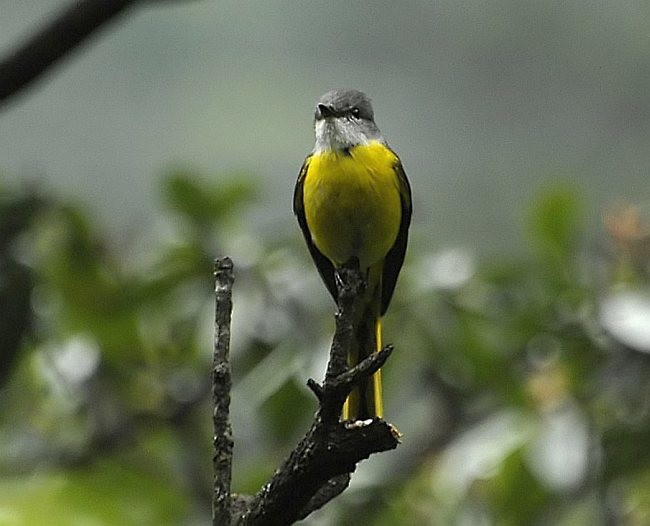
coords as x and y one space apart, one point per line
331 489
221 385
339 387
319 467
52 42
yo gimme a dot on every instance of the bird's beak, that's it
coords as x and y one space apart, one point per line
326 111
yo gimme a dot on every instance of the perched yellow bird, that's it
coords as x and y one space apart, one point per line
353 201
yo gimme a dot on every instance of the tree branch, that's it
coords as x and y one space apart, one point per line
221 385
319 468
56 39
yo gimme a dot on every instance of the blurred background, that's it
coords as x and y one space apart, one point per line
521 376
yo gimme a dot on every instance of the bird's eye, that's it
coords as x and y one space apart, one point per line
355 111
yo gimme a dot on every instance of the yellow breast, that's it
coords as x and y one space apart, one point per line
352 203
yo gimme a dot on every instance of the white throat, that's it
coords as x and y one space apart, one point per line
339 135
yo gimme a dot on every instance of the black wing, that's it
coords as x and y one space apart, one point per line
324 265
395 257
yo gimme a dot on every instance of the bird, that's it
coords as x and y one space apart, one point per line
353 204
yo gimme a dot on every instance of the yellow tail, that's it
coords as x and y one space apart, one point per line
366 401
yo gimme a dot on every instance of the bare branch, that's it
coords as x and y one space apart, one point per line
221 385
319 468
56 39
331 489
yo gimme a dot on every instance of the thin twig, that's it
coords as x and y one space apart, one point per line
221 385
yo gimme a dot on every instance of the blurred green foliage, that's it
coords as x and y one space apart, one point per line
517 405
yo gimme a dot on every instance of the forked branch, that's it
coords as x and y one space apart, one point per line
319 467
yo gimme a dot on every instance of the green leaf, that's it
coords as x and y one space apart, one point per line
516 497
106 493
203 201
554 221
288 411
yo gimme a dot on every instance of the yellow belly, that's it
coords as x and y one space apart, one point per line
352 203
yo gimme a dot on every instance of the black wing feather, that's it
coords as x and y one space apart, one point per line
323 264
395 257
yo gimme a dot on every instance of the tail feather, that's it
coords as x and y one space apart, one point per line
376 378
366 401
